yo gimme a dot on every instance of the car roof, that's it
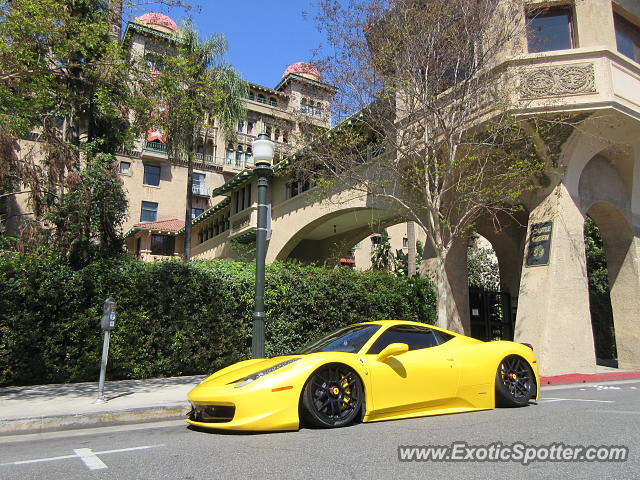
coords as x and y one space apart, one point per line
389 323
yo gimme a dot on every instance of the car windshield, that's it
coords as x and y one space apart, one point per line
349 340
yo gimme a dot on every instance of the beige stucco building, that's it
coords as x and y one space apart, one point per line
156 185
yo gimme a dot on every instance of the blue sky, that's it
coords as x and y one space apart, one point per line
264 37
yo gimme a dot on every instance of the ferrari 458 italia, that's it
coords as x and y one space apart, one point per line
367 372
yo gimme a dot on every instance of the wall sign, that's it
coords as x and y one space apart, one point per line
539 244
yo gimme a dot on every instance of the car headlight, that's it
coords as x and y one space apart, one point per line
254 376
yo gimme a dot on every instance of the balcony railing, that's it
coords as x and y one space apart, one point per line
200 190
155 147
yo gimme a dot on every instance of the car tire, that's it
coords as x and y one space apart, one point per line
515 382
332 397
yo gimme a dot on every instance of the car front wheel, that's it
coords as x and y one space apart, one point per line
332 397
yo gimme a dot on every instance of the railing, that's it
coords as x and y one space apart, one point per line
155 147
200 190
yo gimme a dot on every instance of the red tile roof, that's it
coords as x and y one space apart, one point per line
173 224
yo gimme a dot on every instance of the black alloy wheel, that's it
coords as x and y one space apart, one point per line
332 397
515 382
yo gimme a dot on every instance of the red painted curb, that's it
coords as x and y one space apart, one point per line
588 377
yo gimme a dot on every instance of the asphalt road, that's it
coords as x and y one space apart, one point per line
607 414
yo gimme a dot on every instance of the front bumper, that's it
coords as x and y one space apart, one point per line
253 408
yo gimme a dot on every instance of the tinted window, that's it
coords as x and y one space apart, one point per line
349 339
162 245
149 212
415 337
442 337
627 37
151 175
549 30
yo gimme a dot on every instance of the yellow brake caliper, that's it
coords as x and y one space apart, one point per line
347 392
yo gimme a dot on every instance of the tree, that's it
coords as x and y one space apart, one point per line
427 118
64 88
402 261
195 85
381 256
482 266
65 104
599 294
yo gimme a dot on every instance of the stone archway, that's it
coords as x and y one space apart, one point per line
605 192
624 283
321 237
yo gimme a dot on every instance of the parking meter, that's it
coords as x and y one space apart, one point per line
109 314
108 323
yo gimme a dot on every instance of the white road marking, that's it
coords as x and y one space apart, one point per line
105 452
88 456
38 460
90 459
549 400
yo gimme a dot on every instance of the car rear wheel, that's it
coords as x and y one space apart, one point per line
515 382
332 397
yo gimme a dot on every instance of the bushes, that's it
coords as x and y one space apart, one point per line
177 319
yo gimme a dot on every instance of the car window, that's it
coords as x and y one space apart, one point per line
442 337
414 336
348 340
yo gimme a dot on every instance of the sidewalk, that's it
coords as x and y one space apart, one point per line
45 408
42 408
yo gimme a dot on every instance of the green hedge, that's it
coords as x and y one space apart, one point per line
177 319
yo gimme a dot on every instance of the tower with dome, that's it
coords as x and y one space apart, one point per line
288 112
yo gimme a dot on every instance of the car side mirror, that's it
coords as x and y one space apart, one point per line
391 350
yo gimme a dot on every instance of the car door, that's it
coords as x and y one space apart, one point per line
423 377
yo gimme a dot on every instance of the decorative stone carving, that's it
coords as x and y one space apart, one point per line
552 81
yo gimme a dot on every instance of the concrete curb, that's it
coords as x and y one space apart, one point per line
75 421
588 378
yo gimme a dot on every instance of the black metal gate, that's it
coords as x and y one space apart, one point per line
491 315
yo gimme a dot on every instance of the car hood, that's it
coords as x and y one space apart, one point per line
240 370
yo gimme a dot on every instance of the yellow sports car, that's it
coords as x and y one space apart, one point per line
369 371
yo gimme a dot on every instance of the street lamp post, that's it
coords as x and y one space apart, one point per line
263 156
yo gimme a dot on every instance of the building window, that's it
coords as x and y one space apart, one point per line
250 128
155 63
240 127
195 212
151 175
149 212
247 196
248 157
303 105
125 168
273 102
318 110
376 241
239 154
550 29
252 96
405 242
230 154
296 187
198 186
163 245
627 37
262 99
